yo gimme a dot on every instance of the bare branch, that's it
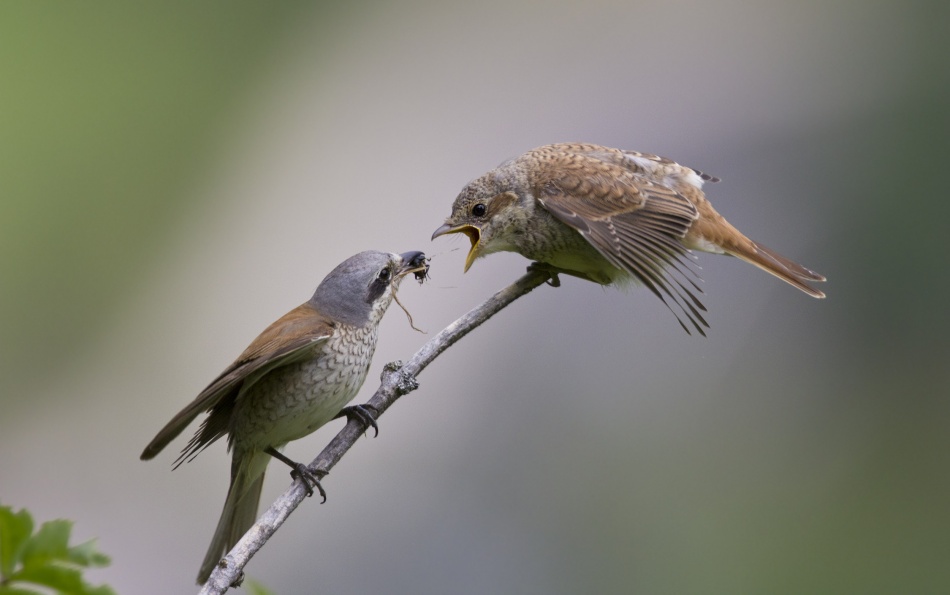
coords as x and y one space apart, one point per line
397 380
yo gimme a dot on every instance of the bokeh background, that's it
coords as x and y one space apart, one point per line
175 177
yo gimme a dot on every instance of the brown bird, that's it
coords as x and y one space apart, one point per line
609 216
294 377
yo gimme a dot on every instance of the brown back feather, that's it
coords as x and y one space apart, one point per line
280 344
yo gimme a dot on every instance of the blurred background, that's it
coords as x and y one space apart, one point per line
174 178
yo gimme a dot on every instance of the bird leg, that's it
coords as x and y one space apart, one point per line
552 272
310 479
361 414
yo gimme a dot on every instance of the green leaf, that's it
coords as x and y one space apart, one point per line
59 578
44 559
51 542
15 529
17 591
255 588
86 554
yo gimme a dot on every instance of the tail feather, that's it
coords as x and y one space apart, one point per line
774 263
240 509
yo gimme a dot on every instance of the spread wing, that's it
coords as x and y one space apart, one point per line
287 340
636 223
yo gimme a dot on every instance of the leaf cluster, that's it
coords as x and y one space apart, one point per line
44 562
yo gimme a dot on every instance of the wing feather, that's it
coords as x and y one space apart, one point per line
285 341
636 223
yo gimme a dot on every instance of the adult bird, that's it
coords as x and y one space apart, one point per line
294 377
609 216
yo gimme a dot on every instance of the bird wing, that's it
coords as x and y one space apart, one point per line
286 341
636 223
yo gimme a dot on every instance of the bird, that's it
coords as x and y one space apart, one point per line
609 216
293 378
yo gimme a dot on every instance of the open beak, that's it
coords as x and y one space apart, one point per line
473 234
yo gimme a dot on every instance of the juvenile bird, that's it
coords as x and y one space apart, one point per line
294 377
609 216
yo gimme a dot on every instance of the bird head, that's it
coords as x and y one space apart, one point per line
484 215
359 290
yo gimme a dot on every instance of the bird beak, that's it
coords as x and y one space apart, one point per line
413 262
473 233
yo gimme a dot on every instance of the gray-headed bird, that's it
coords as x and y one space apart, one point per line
294 377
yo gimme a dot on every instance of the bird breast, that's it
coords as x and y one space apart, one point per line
292 401
545 239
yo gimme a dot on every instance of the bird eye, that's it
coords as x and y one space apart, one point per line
384 275
479 210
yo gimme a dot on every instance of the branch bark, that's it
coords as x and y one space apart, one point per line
397 380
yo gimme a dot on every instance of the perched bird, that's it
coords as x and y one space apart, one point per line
609 216
294 377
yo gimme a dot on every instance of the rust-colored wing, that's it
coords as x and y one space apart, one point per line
636 223
285 341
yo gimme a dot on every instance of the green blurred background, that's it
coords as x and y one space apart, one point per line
175 177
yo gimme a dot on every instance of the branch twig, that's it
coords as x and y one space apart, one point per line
396 381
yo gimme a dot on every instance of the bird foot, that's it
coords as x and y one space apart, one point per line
361 414
551 271
310 478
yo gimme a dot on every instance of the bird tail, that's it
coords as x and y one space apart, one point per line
772 262
240 508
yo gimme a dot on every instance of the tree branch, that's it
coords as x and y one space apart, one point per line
397 380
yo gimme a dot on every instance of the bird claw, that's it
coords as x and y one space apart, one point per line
552 272
361 414
310 478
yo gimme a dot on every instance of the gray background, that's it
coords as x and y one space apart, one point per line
173 179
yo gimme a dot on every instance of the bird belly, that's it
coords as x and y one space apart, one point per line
591 265
573 253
